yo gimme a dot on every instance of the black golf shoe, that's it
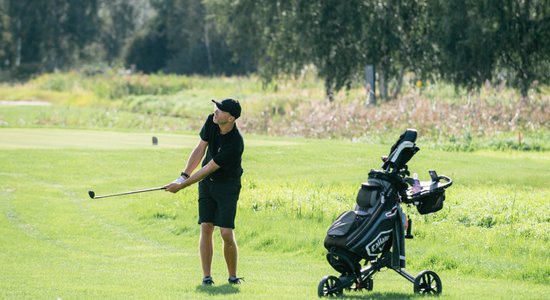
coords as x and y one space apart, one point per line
235 280
207 280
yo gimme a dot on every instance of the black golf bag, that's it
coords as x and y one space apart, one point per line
375 230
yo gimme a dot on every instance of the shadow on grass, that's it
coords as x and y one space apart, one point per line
218 289
377 296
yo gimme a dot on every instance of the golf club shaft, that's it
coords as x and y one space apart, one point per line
132 192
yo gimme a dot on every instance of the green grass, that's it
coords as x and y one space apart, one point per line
491 240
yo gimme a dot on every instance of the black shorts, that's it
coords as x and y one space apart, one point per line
218 201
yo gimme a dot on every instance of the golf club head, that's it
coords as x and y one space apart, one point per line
91 194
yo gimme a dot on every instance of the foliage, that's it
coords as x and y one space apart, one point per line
524 36
339 38
46 35
119 24
466 43
485 40
182 39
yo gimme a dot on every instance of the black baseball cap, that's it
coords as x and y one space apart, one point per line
231 106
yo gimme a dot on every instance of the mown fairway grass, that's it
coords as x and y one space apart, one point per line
490 241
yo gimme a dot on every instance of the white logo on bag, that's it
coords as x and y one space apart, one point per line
376 246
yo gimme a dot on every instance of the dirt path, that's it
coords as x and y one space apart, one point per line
24 103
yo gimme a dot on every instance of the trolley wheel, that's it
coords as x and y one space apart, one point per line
364 283
329 286
427 282
369 284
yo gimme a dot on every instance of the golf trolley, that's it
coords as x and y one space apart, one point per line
375 230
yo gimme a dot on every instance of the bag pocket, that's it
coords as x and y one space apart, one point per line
368 195
343 224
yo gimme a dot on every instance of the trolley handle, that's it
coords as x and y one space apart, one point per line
437 178
448 181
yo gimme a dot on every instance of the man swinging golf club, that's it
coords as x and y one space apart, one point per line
219 184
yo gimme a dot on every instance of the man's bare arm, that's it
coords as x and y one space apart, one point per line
196 157
174 187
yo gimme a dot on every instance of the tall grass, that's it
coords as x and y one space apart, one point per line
112 85
495 117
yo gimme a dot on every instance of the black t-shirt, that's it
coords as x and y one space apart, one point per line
226 150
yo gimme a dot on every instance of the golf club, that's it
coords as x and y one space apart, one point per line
93 196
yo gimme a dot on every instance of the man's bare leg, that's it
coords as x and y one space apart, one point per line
230 250
206 247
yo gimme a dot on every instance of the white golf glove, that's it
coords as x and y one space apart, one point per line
179 180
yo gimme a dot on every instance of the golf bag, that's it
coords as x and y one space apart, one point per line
375 230
368 230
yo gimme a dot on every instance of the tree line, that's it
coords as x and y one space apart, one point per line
464 42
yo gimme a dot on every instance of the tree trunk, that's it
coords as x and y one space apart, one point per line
329 91
207 45
371 97
397 89
330 94
370 84
383 84
524 90
18 45
525 83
